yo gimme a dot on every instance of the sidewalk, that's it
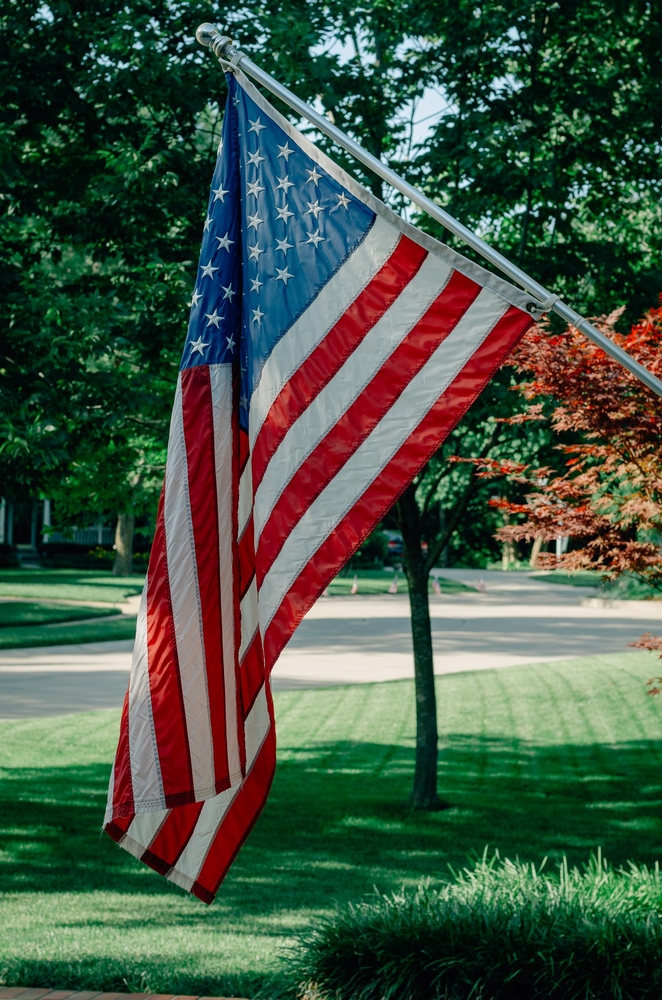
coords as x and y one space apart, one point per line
361 639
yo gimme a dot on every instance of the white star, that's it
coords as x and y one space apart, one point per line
284 183
235 100
207 224
342 200
195 298
197 345
256 127
283 245
257 315
220 147
219 193
255 159
284 151
255 188
214 318
314 208
254 252
223 242
284 213
231 343
229 292
313 175
315 238
254 221
283 275
256 285
243 401
208 270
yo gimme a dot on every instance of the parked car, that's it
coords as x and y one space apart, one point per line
395 544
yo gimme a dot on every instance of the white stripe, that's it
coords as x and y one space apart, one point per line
109 801
257 726
322 314
193 856
375 452
337 395
248 618
245 498
142 831
221 394
143 751
185 600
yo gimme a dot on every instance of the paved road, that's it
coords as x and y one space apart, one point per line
359 639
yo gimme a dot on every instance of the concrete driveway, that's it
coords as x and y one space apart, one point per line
349 640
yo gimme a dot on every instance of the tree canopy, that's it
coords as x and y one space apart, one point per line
109 123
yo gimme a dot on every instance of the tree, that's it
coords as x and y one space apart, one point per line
549 146
607 493
448 495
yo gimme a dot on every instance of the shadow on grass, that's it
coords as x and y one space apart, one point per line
337 822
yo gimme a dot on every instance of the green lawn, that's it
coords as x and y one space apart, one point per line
625 587
540 760
69 585
27 613
101 630
582 578
377 581
43 624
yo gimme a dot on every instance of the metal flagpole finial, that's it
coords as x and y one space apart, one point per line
221 45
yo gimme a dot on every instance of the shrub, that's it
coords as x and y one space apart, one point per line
499 930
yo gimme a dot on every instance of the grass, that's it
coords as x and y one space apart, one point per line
26 613
34 621
24 624
498 930
69 585
377 581
625 587
63 634
548 759
582 578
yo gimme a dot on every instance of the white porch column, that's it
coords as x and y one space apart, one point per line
47 520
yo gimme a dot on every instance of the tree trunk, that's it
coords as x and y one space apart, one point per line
536 550
124 545
424 793
508 551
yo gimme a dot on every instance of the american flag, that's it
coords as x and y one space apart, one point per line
331 348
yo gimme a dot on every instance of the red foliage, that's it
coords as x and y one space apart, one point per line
653 643
608 496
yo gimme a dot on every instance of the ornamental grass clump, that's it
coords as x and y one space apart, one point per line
498 931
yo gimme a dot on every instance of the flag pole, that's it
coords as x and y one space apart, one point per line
231 58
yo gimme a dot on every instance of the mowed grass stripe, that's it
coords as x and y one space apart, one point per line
539 760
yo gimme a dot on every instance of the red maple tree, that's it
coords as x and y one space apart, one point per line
607 495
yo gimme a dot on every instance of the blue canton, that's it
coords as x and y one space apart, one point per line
278 226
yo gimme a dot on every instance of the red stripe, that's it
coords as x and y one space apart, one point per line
329 356
201 464
252 672
122 782
164 680
394 478
240 817
363 415
116 828
173 836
